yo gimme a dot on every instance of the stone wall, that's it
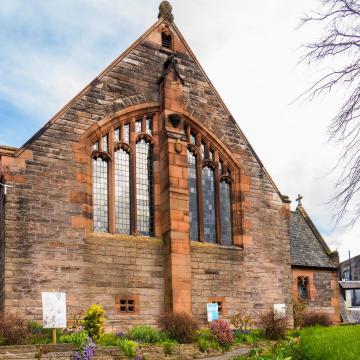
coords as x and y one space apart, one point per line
2 244
50 246
323 290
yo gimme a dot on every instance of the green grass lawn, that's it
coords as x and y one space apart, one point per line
331 343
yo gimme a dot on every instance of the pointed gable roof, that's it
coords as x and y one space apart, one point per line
164 17
308 248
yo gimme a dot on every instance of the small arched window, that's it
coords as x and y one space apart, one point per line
210 205
123 178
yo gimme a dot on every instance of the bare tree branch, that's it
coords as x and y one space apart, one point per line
340 41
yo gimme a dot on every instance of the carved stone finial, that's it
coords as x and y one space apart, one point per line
165 10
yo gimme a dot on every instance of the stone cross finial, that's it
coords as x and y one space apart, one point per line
298 199
165 10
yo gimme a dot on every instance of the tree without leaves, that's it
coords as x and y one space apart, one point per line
340 43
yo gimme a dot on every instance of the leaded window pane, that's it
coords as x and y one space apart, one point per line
117 135
211 154
100 195
208 191
105 143
144 188
122 192
127 133
96 146
225 212
138 126
193 197
149 126
303 287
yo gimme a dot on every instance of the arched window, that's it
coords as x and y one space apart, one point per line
193 196
122 191
123 178
144 188
100 193
210 205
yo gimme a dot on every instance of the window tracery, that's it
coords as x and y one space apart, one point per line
210 205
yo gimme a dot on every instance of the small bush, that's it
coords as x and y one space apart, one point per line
312 318
144 333
168 346
77 339
109 340
241 321
299 310
246 337
94 321
274 327
206 341
222 332
39 335
179 326
14 330
128 347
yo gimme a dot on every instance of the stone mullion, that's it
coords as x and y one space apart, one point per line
217 198
111 181
133 177
199 192
156 176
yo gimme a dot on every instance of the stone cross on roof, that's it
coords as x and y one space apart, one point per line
298 199
165 10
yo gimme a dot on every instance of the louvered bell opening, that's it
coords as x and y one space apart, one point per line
166 41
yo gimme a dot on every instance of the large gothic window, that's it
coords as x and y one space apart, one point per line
209 191
123 178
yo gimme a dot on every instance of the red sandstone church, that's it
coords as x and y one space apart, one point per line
142 194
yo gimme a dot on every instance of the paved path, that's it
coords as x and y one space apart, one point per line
230 355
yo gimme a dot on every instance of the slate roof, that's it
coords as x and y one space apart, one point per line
350 284
308 248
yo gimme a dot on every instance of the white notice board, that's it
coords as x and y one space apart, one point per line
54 310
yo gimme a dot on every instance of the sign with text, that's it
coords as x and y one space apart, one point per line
212 311
279 310
54 310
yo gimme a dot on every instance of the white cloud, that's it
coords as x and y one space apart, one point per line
52 49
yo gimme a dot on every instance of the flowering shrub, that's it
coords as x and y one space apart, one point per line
241 321
221 331
86 350
94 321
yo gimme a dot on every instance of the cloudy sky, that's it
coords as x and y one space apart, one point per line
49 50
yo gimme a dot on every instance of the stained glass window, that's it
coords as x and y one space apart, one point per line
225 212
193 197
100 195
127 133
208 192
122 192
144 188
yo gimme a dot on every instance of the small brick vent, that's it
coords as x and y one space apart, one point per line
126 304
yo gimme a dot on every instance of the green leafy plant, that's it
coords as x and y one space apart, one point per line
39 335
94 321
144 333
168 346
109 339
179 326
205 341
128 347
77 339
